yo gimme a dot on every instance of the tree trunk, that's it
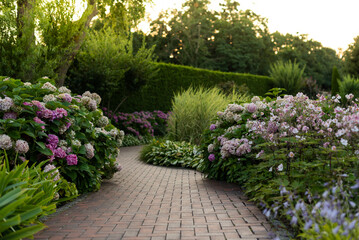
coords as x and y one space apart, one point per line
67 59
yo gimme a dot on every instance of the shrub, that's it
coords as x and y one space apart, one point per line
46 123
140 124
192 112
171 79
25 195
130 140
169 153
108 65
288 76
349 85
335 81
264 144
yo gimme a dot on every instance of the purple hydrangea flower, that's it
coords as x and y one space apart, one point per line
212 127
211 157
71 159
59 153
53 140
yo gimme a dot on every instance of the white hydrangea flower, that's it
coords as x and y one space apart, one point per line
64 90
96 97
49 86
55 173
114 132
76 143
87 94
92 105
5 142
27 84
6 103
49 98
90 151
103 121
210 148
21 146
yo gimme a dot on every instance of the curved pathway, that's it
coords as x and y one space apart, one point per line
150 202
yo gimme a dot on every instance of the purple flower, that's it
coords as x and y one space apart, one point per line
212 127
10 115
71 159
59 153
27 103
38 120
60 113
53 140
211 157
251 108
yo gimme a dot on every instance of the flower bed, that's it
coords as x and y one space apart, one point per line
140 124
291 142
43 123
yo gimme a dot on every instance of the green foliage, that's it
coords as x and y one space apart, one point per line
25 195
192 112
319 60
109 56
351 58
230 40
335 81
349 85
168 153
174 78
130 140
288 76
41 38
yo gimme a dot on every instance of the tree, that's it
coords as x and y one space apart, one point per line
351 58
242 41
230 40
318 60
107 64
58 36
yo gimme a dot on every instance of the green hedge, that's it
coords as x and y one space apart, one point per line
157 94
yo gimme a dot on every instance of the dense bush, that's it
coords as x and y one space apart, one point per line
192 112
267 145
131 140
172 79
40 122
169 153
140 124
25 195
263 144
349 85
108 65
287 75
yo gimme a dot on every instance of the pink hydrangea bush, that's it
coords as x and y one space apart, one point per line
40 122
282 141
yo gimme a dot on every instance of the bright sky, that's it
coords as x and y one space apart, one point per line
334 23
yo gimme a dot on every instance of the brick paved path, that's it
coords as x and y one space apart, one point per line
150 202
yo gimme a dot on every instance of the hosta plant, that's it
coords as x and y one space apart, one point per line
170 153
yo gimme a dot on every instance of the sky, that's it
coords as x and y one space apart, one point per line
334 23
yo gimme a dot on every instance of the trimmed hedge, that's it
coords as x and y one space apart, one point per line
171 78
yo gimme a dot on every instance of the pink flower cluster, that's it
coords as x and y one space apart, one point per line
59 152
290 116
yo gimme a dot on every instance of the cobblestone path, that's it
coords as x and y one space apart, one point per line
151 202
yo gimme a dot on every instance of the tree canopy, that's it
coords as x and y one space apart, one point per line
234 40
43 37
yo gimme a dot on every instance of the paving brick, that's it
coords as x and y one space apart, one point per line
159 203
